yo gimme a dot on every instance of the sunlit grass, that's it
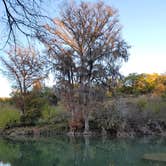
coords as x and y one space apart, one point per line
51 111
8 114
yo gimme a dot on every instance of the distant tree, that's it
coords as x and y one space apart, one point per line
144 84
136 84
23 66
160 85
86 49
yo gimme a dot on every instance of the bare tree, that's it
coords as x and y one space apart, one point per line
21 17
87 50
24 67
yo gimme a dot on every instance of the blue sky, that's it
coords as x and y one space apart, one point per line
144 28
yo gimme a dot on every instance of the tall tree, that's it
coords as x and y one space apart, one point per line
24 67
87 50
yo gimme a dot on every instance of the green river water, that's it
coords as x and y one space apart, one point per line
64 151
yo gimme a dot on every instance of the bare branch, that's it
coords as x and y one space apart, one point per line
87 50
22 17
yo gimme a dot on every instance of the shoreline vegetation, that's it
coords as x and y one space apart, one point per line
123 116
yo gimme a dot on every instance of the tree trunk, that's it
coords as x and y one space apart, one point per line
71 131
22 104
86 122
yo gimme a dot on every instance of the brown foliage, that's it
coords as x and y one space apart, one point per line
23 66
86 50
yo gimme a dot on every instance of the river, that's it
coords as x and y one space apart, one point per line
65 151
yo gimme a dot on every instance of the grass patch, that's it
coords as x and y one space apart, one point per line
50 112
8 114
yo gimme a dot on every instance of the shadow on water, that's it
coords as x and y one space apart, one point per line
85 151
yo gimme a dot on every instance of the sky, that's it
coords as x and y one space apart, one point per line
144 28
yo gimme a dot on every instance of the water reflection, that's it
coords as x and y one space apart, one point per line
80 152
4 164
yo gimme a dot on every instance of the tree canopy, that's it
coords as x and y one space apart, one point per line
144 84
23 66
86 50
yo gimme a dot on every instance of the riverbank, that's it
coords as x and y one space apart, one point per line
125 130
121 117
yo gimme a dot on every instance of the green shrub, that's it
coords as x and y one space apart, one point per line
34 104
108 119
48 112
51 111
37 104
61 120
31 117
56 116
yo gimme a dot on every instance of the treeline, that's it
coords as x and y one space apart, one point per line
139 84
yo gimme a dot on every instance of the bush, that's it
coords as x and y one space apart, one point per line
31 117
109 119
34 104
51 111
55 116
